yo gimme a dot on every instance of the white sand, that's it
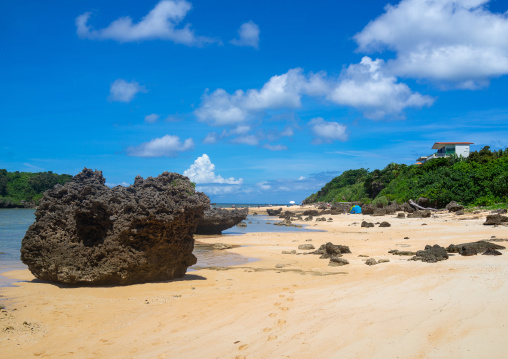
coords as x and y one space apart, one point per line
401 309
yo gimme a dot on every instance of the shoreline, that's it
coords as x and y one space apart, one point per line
453 308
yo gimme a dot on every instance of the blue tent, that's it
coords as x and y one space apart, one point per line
356 209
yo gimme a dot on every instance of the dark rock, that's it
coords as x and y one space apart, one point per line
401 253
87 233
492 252
309 218
472 248
337 261
460 212
306 246
274 212
321 219
419 214
370 262
379 212
367 224
310 212
287 214
289 252
368 209
383 260
499 211
431 254
495 219
408 208
242 225
424 202
401 215
216 220
384 224
330 250
453 207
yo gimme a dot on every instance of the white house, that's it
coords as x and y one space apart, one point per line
446 149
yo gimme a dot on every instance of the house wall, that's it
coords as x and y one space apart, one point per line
462 150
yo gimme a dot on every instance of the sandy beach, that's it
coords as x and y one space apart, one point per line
306 309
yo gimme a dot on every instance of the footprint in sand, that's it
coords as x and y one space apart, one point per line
281 295
272 337
290 299
281 322
243 347
272 315
240 357
284 308
277 304
266 330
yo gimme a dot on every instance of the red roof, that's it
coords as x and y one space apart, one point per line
439 145
454 143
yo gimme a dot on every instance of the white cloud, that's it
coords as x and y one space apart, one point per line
123 91
151 118
167 146
211 138
301 178
328 131
248 35
202 171
275 147
218 189
451 41
159 23
366 87
264 185
281 92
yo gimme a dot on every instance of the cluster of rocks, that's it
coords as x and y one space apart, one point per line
216 220
496 220
330 251
87 233
370 224
473 248
436 253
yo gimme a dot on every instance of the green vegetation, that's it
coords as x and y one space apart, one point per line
16 187
479 180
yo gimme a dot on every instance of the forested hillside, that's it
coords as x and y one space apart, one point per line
25 189
481 179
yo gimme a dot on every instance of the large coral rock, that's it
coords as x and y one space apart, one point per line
216 220
87 233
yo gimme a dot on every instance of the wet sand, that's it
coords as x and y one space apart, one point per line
401 309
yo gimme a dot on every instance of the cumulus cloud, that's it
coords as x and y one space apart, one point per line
111 185
203 171
328 131
159 23
248 35
284 91
167 146
123 91
151 118
451 41
366 87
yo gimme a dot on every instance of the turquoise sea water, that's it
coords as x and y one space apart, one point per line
15 222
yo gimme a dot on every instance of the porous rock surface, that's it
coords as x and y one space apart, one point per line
87 233
216 220
431 254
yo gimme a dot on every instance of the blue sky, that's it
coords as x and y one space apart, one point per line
255 101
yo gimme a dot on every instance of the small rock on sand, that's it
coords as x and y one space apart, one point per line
306 246
370 262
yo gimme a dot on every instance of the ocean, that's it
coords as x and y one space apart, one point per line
15 222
